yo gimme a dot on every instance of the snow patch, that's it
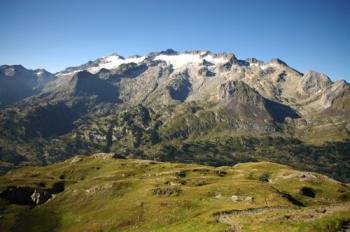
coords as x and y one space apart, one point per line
187 59
269 65
254 65
263 67
40 72
111 62
215 60
179 60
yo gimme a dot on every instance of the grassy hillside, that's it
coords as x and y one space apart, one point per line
100 193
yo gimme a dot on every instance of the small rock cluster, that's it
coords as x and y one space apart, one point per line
236 198
167 191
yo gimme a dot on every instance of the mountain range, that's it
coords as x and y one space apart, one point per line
193 107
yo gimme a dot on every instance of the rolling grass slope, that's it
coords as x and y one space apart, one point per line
100 193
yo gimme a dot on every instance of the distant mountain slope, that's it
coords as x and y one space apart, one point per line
203 72
17 83
175 106
169 76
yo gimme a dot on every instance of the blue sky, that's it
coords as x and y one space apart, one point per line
312 34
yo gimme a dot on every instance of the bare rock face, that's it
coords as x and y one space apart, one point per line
313 82
86 84
25 195
248 103
179 87
39 197
238 91
336 98
243 102
227 90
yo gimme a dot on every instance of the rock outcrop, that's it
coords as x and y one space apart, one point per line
26 195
